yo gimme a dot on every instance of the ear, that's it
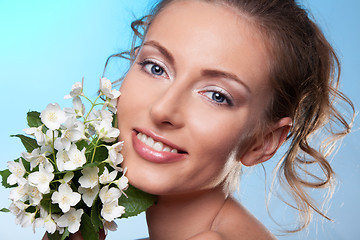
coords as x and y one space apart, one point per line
264 148
137 50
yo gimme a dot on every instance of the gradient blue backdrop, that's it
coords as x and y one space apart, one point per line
46 46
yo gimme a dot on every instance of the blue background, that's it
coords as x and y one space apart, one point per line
46 46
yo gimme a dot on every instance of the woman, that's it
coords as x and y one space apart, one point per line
216 85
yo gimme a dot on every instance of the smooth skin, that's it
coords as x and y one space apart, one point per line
200 82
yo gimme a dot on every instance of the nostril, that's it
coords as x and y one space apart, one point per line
167 110
167 123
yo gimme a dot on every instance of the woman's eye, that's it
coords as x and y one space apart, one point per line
218 98
153 68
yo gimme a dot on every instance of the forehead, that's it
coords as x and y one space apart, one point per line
213 34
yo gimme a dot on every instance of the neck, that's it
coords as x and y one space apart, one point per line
183 216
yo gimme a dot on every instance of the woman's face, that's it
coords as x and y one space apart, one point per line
197 89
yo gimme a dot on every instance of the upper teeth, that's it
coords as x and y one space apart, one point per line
158 146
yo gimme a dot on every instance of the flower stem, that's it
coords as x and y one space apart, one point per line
53 151
96 145
93 104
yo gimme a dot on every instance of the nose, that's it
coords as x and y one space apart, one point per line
168 108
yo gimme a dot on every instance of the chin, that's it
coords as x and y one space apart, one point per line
140 178
151 187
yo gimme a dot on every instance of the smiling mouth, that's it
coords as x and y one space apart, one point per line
158 146
156 149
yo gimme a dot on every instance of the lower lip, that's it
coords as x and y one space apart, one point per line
152 155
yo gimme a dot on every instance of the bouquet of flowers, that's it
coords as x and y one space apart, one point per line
70 177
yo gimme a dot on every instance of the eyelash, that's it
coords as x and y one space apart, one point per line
146 62
227 97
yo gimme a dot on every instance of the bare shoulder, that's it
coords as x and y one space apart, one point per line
235 222
208 235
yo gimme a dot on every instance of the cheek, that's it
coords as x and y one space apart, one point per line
131 98
215 138
223 139
219 131
217 150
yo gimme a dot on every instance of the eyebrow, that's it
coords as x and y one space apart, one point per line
206 72
162 50
218 73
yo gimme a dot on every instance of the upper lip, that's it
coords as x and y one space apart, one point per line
159 138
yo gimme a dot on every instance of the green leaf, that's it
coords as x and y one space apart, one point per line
115 121
29 143
33 119
94 164
48 206
5 174
82 144
25 163
95 216
137 201
101 154
65 234
4 210
57 236
87 229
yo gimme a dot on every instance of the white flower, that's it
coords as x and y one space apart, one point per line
26 218
17 170
18 193
53 116
67 177
34 195
65 197
70 160
49 137
107 177
16 207
50 224
46 220
37 132
62 159
71 220
79 107
89 194
109 226
76 90
108 195
122 183
41 179
115 157
106 132
90 177
94 119
99 115
58 228
73 131
112 210
26 192
77 110
111 104
105 88
38 156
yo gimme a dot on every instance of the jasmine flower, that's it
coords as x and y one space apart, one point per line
65 197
